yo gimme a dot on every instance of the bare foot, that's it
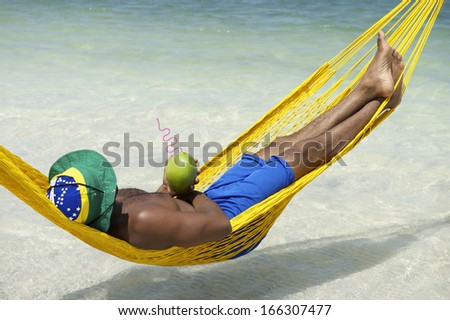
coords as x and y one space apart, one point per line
397 69
378 78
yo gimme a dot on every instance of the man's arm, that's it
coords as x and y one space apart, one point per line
160 228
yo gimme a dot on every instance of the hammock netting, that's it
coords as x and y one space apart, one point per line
407 28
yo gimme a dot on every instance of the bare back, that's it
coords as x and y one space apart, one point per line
154 199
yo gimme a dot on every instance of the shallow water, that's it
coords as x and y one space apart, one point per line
84 74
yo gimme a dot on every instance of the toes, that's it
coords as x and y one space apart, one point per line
398 59
397 56
382 43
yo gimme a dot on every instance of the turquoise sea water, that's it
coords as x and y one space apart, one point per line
82 74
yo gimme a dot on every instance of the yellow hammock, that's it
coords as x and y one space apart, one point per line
408 26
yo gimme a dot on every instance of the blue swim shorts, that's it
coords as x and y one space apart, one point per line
248 182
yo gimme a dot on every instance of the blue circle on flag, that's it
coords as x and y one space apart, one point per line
65 194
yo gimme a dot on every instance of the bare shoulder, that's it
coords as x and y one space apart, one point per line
151 220
152 226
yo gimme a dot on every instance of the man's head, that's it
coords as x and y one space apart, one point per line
83 186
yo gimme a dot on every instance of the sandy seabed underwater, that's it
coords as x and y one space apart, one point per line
82 74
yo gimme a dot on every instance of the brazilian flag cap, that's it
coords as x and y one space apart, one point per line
83 186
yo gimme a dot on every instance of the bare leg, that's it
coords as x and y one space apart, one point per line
376 83
377 73
342 123
306 155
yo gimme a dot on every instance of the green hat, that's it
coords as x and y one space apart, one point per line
83 186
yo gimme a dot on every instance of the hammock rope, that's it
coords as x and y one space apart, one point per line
408 27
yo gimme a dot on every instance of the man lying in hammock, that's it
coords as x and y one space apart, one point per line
159 221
